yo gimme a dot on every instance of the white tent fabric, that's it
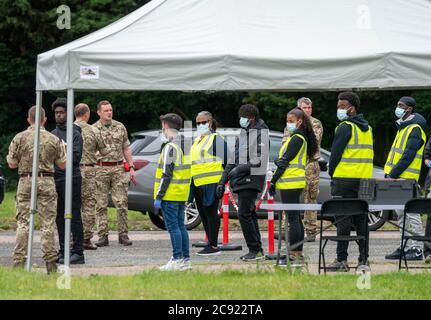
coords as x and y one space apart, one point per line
291 45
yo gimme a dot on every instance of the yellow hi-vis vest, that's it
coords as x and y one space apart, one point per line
179 187
398 146
206 168
358 155
294 176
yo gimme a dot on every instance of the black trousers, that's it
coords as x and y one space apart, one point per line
209 216
76 222
296 228
348 188
248 219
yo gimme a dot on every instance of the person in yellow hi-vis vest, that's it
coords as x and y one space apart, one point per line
171 190
351 160
404 162
209 157
289 177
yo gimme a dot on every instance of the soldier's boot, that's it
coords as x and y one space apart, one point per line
88 245
311 236
19 264
103 241
124 240
51 267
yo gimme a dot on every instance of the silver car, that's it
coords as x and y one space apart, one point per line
146 151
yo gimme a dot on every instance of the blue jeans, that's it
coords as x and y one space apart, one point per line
173 215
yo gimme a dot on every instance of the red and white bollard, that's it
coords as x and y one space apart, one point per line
225 211
271 254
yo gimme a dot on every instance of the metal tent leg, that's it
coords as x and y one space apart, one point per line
35 171
69 169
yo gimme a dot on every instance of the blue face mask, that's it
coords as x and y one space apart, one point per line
342 114
399 112
244 122
203 128
291 127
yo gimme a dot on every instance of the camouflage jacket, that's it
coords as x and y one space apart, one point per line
51 151
116 139
94 145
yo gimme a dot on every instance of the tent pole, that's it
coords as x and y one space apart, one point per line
69 169
35 171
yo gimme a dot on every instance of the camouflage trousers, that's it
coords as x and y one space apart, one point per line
47 210
88 199
311 191
115 180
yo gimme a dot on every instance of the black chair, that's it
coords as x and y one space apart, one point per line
336 208
419 206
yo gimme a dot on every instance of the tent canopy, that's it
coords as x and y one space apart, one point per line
291 45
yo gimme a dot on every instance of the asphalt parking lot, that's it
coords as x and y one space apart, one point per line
152 248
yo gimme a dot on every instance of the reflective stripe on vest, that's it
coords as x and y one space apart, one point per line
398 146
358 155
294 176
206 168
179 186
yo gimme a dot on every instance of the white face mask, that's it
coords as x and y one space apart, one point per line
164 138
291 127
203 128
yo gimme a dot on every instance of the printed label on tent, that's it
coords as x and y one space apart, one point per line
89 72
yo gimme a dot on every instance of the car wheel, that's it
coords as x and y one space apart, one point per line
191 217
376 219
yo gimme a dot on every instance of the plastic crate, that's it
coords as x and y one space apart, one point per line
394 191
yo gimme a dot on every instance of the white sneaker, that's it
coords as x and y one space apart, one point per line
172 265
186 264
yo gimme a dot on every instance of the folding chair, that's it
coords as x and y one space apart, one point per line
419 206
336 208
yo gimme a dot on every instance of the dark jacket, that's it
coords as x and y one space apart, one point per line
414 143
427 175
283 162
242 171
341 139
168 165
60 132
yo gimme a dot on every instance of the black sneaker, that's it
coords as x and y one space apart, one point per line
341 266
77 259
209 251
394 255
252 256
60 258
414 254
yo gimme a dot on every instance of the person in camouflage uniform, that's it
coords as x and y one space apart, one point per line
20 156
93 146
111 176
312 170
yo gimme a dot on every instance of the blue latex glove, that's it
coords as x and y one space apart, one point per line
429 164
158 204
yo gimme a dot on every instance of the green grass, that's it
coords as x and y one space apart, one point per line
222 285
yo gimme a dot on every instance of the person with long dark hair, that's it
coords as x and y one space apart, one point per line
289 177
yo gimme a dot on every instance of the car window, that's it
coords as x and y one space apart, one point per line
141 143
153 147
274 149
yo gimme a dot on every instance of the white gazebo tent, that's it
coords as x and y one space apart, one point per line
199 45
